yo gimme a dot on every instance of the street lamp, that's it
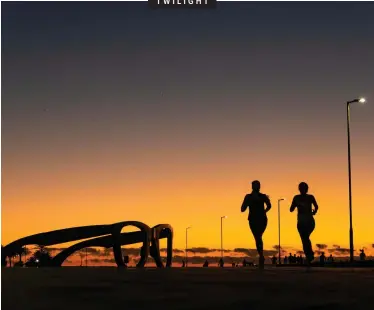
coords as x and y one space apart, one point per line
187 242
279 231
222 217
360 100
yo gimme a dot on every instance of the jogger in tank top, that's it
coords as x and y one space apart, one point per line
257 218
305 220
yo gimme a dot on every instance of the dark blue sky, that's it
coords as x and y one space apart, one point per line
258 49
289 61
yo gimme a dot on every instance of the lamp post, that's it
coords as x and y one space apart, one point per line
222 217
360 100
279 232
187 242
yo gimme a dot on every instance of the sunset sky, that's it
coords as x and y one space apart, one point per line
114 112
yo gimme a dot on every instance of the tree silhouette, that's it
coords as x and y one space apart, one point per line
82 255
107 252
40 258
321 247
276 248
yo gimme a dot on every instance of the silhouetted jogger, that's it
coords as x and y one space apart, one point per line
257 218
305 219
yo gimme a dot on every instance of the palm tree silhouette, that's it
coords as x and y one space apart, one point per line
81 255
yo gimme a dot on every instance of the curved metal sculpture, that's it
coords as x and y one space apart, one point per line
103 236
158 232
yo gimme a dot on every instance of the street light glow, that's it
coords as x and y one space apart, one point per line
360 100
224 217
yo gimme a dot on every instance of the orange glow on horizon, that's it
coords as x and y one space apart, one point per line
62 201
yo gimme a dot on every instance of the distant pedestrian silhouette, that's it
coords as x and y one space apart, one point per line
290 259
300 260
257 218
273 260
126 260
362 255
305 220
322 259
221 263
206 264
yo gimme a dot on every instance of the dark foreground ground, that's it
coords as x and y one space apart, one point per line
192 288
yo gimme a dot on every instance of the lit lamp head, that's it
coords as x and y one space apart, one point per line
224 217
360 100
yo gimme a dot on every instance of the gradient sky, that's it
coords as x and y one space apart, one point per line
114 111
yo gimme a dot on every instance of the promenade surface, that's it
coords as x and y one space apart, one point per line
103 288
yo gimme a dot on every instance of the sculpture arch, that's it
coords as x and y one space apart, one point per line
158 232
101 236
